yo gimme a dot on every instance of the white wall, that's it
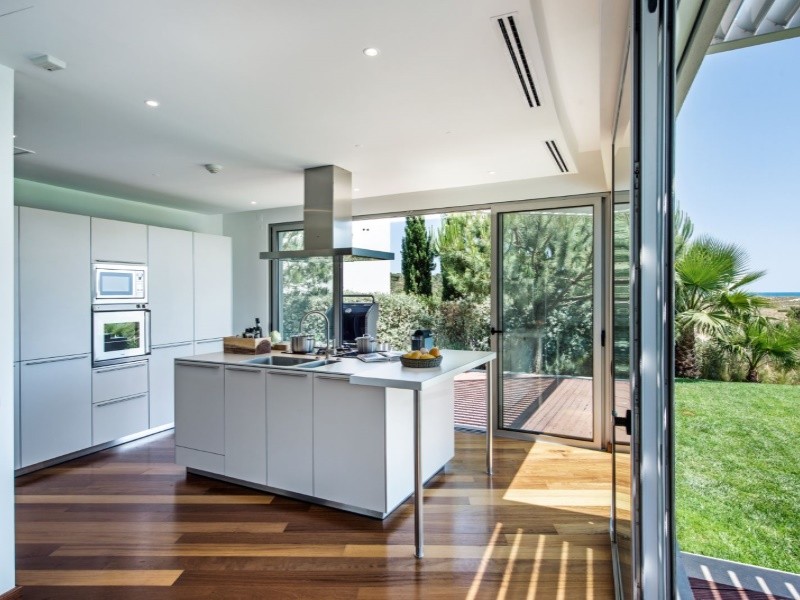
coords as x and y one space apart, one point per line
7 576
51 197
250 235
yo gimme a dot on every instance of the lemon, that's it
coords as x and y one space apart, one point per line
416 354
427 356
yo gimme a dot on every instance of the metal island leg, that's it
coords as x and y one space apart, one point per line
489 413
418 483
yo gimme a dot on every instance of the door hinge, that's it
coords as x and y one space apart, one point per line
603 338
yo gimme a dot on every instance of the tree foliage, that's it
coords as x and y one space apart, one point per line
547 292
417 258
463 246
710 296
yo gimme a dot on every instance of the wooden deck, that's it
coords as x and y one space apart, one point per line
129 523
555 406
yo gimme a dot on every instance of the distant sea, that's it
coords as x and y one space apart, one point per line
778 294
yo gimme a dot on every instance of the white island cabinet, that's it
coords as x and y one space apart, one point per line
246 423
344 434
200 416
290 443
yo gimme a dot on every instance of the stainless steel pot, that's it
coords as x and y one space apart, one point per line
302 343
365 344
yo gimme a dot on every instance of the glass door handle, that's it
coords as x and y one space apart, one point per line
626 421
493 330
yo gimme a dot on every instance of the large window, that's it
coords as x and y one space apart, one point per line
299 286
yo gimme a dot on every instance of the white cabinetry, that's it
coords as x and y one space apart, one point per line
212 286
207 346
54 284
162 381
171 286
16 417
118 241
119 401
55 407
246 424
200 415
349 442
290 431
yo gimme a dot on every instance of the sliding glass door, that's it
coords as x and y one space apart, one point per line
548 319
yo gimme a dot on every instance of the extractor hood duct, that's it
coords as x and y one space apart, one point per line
328 219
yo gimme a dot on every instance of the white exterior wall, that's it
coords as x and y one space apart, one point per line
7 576
369 275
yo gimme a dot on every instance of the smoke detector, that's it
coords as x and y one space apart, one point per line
48 62
213 168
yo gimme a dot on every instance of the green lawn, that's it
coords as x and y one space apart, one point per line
738 471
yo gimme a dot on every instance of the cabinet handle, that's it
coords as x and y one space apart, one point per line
332 377
288 373
177 345
198 364
60 359
118 400
214 341
244 369
132 365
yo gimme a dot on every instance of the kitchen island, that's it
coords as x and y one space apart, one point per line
357 436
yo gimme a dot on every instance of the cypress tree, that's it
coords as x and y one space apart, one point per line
417 258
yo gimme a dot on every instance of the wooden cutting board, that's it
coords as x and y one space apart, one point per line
240 345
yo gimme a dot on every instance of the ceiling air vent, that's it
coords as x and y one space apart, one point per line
510 34
556 154
19 151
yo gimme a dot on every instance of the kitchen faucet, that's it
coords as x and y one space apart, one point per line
327 328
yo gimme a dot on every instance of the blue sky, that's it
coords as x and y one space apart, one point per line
738 156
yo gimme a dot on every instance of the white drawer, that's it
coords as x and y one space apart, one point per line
202 461
119 381
113 419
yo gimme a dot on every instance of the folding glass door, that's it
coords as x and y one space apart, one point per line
548 313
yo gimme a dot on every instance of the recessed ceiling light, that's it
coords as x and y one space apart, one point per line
151 103
253 202
356 189
491 172
370 51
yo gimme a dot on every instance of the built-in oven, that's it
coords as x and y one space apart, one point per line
119 335
116 283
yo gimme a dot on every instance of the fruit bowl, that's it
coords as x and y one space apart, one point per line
421 363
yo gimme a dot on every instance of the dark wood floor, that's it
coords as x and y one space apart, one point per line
129 523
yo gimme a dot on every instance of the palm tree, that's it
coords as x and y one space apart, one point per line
759 340
709 297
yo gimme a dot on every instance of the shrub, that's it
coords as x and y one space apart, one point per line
463 325
401 315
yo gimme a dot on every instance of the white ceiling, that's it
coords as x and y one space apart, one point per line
268 88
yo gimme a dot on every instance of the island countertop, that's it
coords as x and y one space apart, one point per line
382 374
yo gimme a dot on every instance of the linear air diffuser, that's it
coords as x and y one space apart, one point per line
509 32
556 154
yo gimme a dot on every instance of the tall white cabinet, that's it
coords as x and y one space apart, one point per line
171 276
55 393
213 283
54 284
118 241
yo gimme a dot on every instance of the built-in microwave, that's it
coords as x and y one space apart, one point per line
118 335
119 284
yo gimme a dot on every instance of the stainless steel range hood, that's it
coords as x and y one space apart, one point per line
327 219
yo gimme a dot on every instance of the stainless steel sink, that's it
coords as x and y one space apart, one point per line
281 361
319 363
